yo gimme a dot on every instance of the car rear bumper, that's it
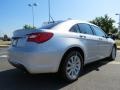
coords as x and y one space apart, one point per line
46 61
17 65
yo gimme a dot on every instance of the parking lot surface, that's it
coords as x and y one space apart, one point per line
101 75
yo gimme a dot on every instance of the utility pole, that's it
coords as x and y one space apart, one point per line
118 22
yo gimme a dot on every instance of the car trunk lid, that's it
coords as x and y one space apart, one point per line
20 36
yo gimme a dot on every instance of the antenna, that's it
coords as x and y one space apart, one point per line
49 7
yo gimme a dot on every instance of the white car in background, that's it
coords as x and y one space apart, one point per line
63 46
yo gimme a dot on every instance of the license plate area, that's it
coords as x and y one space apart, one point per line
18 41
14 42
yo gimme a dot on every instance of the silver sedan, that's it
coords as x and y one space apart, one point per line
62 46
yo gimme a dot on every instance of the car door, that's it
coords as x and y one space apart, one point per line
90 42
104 45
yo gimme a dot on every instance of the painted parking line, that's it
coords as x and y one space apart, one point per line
118 51
114 62
3 56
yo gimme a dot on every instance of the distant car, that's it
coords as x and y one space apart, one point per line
63 46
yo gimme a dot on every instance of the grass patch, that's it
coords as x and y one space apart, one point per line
118 42
5 42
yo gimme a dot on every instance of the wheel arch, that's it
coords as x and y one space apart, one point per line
71 49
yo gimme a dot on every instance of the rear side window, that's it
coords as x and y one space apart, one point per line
98 31
85 28
75 28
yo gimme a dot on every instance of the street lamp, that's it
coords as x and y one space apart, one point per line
32 6
118 22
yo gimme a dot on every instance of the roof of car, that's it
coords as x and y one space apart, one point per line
67 24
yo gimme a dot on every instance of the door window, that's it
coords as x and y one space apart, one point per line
75 28
85 28
98 31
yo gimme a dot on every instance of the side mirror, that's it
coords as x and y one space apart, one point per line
111 36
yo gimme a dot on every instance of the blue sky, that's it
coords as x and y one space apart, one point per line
16 13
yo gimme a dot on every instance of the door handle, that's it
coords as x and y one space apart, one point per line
82 36
100 39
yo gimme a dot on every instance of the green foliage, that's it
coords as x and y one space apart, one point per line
29 27
118 42
106 23
6 38
118 35
113 30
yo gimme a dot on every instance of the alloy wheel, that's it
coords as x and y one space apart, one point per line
73 66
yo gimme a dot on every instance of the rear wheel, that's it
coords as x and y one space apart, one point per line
71 66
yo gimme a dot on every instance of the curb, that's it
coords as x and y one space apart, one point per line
4 46
118 48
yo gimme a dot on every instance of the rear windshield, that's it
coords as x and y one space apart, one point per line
50 25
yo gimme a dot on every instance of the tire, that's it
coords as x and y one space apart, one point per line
113 54
71 66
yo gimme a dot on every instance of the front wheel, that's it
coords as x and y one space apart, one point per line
71 66
113 53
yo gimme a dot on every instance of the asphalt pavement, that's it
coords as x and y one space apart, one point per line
101 75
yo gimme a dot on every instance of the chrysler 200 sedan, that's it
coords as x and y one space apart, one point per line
63 46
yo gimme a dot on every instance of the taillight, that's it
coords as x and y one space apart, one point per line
39 37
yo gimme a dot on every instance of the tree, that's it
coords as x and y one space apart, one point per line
114 30
29 27
106 23
6 38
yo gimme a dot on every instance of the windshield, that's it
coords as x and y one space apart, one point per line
50 25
